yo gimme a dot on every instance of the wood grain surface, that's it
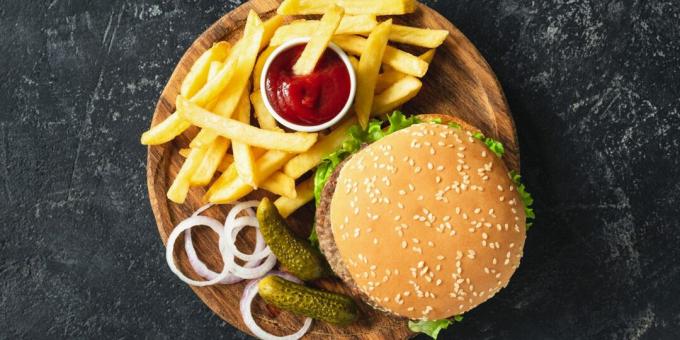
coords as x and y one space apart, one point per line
459 82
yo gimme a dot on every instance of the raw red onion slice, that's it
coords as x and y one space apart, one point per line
235 225
187 225
202 209
238 207
201 269
232 272
249 273
249 294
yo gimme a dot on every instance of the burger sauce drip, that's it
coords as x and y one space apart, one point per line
310 99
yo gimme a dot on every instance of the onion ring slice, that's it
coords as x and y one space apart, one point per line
187 225
249 294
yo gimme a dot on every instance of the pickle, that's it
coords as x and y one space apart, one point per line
317 304
295 254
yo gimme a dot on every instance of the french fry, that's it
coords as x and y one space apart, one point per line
306 161
415 36
396 95
304 7
215 67
280 184
198 74
350 24
247 56
236 131
211 162
319 41
227 160
210 90
398 59
389 77
231 78
428 55
305 194
262 114
261 60
356 24
229 187
270 26
243 155
378 7
214 87
228 100
367 73
173 126
165 131
180 185
207 136
353 7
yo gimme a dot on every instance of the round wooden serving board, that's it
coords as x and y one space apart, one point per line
459 82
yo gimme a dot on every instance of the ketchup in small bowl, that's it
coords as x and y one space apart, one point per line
310 102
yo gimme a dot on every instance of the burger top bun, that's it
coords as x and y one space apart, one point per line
427 221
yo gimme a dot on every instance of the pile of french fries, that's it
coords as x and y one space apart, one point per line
222 90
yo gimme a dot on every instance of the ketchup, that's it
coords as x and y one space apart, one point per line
311 99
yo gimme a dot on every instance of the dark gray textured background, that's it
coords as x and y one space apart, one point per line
593 84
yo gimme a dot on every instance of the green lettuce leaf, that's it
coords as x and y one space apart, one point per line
432 327
454 125
313 237
494 146
525 196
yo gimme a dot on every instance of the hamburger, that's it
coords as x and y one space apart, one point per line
421 219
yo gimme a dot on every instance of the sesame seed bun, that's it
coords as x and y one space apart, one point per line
424 223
